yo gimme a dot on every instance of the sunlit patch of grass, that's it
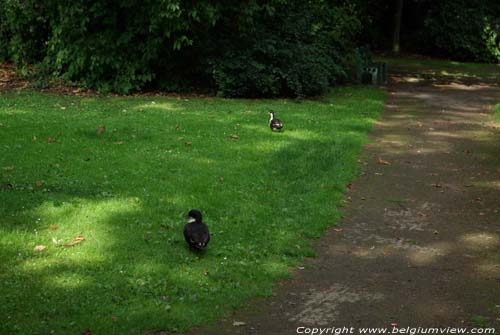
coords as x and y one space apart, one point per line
496 111
126 191
444 67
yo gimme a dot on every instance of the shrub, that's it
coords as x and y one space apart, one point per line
251 48
464 30
297 49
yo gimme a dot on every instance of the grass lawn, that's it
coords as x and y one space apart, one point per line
264 196
496 110
444 67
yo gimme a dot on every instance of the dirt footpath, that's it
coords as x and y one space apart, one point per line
419 242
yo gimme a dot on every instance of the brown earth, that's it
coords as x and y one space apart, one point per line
419 241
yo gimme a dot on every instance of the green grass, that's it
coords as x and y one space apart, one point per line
444 67
496 111
264 196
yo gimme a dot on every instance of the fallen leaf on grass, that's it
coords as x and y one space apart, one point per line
206 272
234 136
177 127
188 143
100 129
249 111
53 227
381 161
119 142
87 332
349 186
238 324
77 240
38 183
8 168
51 140
39 248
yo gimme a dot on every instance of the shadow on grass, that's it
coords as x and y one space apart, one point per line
262 195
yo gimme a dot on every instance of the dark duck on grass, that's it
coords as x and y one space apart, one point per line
274 123
195 231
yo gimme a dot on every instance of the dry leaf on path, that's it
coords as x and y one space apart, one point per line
238 323
381 161
77 240
101 129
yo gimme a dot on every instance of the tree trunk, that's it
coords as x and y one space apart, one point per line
397 26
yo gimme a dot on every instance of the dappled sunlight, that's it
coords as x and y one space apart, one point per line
489 268
275 268
78 213
14 111
458 86
430 253
127 189
409 79
480 241
493 184
163 106
68 280
370 252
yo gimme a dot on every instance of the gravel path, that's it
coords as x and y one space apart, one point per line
419 241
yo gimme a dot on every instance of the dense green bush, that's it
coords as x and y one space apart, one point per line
296 49
23 30
464 30
251 48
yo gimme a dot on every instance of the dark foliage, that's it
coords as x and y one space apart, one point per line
467 30
295 49
463 30
251 48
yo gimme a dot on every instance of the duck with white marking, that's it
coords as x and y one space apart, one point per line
274 123
195 231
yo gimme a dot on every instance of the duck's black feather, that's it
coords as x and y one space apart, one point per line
196 233
276 124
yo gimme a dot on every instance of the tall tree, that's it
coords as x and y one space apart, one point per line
397 26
